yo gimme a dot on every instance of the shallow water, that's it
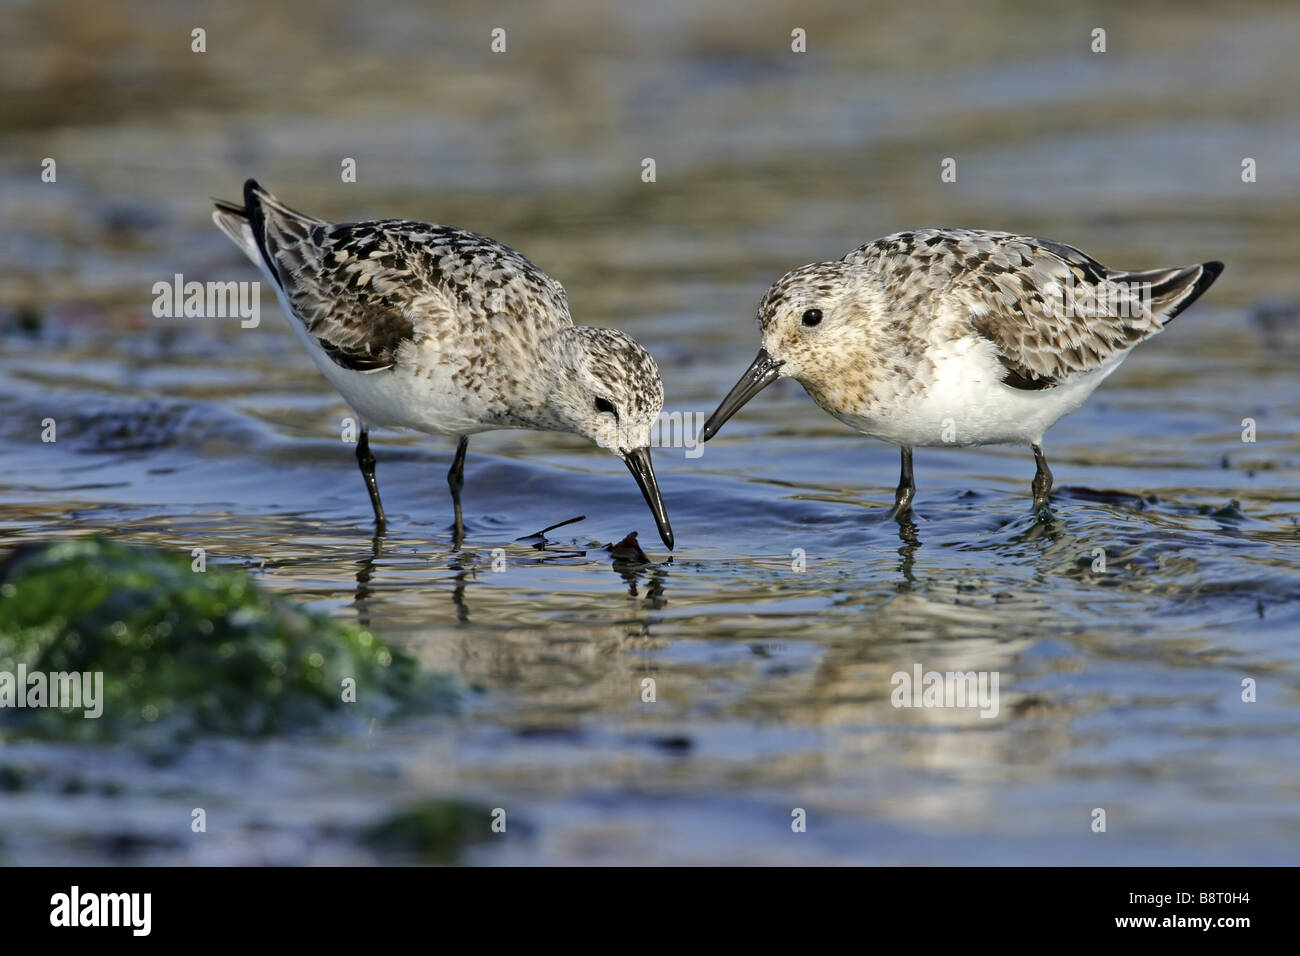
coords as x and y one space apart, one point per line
1119 689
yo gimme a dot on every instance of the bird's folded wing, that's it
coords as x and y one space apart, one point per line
1057 313
366 290
1050 310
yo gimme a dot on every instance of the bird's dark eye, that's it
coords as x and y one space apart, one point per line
812 317
605 405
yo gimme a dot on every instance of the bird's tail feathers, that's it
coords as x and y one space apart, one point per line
233 221
1170 291
248 225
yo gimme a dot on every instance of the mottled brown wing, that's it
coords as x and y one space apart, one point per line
1050 310
357 305
365 290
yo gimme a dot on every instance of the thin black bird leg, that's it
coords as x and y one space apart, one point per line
1042 479
906 487
456 481
367 463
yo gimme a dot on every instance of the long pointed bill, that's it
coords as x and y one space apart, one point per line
638 462
757 377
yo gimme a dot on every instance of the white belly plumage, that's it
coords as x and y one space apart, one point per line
396 398
966 403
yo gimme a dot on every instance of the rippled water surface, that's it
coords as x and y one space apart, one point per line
1120 689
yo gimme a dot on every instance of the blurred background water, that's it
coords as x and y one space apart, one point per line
1120 690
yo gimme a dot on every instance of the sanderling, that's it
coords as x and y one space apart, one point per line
450 333
957 337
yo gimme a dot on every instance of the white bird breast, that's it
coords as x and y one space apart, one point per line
966 402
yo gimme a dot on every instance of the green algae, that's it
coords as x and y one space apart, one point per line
184 652
432 831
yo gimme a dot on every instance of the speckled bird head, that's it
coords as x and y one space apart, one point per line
816 312
606 387
818 322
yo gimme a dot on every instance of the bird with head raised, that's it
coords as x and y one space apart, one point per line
957 337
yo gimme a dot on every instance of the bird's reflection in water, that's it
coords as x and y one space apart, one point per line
464 570
465 565
656 575
907 554
462 563
1043 526
365 571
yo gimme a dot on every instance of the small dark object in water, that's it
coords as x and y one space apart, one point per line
14 779
1231 510
548 732
560 524
29 320
628 550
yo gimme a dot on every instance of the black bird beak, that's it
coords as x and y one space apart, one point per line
763 372
638 462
